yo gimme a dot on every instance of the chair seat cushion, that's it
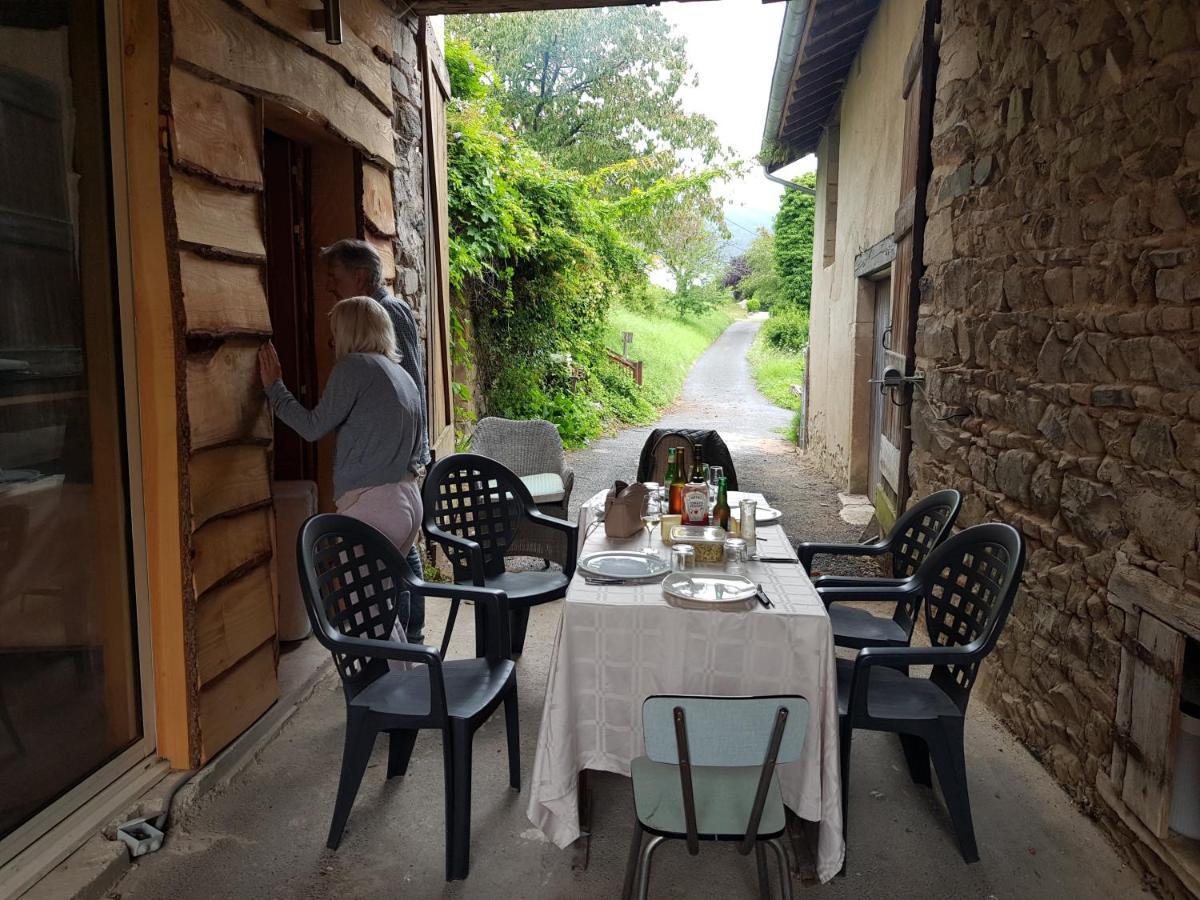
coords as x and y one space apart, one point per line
546 487
858 628
471 686
724 797
894 695
528 587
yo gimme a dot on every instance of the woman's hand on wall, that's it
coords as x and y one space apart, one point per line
268 364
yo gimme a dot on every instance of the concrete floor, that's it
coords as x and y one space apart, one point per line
264 835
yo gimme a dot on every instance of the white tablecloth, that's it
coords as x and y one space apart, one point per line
618 644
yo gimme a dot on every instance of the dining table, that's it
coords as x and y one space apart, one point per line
619 643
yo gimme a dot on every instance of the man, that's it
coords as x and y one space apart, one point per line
355 269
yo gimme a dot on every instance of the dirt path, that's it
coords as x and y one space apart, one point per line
719 393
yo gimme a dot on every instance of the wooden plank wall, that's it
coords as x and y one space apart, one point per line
230 57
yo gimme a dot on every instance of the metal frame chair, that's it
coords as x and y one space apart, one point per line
967 585
709 774
353 578
474 508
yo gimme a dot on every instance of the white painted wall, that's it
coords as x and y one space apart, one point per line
870 136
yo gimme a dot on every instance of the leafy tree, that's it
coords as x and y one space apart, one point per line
763 282
688 246
794 242
593 88
737 270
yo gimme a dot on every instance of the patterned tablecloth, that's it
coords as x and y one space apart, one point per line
618 644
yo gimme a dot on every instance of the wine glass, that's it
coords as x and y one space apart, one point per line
651 517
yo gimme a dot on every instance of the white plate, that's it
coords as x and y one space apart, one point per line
623 564
709 590
763 515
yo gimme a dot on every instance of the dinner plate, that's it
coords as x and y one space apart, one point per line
623 564
709 590
763 515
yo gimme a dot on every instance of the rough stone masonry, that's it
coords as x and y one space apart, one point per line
1059 328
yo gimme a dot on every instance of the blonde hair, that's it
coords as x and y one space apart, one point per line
360 325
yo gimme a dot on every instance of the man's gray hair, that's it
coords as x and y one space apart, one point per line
356 255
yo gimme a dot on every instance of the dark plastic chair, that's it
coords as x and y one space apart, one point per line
652 462
353 577
967 585
709 774
922 527
474 507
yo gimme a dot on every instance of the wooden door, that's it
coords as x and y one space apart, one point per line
920 70
439 381
289 291
879 397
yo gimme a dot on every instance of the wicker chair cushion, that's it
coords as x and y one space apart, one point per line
546 487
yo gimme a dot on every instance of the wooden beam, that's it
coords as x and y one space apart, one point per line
231 704
217 39
228 479
215 131
228 545
210 215
232 620
353 58
158 413
223 298
225 399
876 257
377 201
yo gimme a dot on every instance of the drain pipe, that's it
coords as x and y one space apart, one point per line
791 185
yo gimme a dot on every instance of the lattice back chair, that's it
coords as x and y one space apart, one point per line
922 527
709 774
969 590
353 580
968 584
474 508
471 497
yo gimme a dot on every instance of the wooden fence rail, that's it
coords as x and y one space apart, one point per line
633 365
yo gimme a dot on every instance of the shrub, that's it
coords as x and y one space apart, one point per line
753 305
787 329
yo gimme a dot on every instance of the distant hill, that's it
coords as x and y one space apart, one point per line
744 223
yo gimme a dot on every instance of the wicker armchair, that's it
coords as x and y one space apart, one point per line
533 450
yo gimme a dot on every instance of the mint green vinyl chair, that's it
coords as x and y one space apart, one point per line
709 775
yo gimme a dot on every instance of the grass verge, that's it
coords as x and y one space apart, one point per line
775 372
667 347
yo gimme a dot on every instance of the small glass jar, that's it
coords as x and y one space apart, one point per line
746 522
735 556
683 558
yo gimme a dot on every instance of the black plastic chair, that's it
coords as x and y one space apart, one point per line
922 527
967 585
474 507
353 577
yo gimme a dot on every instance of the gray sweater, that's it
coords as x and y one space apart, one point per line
412 357
376 410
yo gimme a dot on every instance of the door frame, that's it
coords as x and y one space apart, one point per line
878 397
49 836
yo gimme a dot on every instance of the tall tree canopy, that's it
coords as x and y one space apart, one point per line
592 88
794 242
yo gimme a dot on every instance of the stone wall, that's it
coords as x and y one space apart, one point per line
1059 329
408 178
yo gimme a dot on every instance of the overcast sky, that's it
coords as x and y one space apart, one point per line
731 46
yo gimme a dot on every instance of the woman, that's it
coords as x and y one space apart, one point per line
375 408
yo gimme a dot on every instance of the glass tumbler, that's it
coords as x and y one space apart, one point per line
749 511
735 556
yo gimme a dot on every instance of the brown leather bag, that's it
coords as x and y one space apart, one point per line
623 509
